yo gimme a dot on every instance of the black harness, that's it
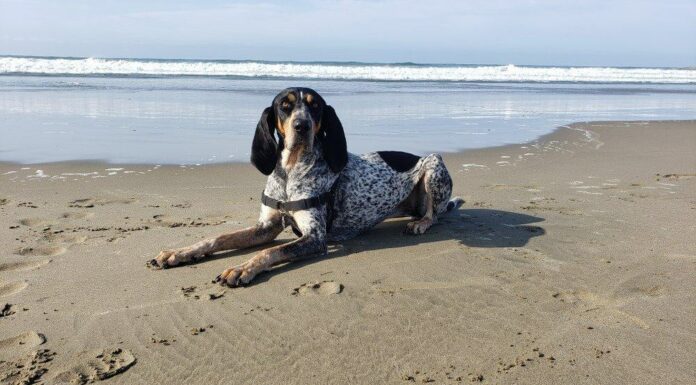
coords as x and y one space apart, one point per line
304 204
301 204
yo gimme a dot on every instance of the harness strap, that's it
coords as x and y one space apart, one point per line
302 204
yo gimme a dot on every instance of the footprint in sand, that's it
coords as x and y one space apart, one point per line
82 203
26 370
97 366
602 310
32 222
580 297
6 310
642 286
22 265
65 239
10 288
74 215
44 251
37 222
649 291
318 288
166 221
21 343
209 294
91 202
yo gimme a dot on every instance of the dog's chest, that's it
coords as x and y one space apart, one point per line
301 182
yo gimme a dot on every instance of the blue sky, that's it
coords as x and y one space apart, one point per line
543 32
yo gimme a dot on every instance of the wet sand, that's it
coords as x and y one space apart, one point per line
572 262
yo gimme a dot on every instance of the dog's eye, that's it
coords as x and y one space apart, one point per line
285 105
315 105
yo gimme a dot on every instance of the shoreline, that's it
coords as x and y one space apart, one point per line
571 262
104 163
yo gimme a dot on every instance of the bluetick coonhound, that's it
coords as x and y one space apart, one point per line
321 190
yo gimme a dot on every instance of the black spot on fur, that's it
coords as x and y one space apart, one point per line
399 161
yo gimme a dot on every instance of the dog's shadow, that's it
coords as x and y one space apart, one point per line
485 228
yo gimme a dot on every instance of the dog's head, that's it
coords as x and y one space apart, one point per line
301 118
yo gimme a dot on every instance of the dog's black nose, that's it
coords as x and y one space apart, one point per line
301 125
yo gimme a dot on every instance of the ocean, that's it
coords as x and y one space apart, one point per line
197 112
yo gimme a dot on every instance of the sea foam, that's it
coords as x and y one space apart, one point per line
342 71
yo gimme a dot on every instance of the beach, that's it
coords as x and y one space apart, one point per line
571 262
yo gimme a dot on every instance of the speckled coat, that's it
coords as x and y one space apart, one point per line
366 191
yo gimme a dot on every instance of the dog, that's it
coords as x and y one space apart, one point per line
319 189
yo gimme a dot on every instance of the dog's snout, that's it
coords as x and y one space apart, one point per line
301 125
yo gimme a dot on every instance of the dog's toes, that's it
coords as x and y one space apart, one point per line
170 258
245 277
161 261
228 277
225 280
236 276
232 281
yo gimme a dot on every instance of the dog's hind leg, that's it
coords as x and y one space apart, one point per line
267 229
432 195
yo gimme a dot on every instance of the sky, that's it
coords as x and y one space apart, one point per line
590 33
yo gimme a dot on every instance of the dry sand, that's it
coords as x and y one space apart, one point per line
572 262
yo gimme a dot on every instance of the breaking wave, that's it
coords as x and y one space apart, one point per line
341 71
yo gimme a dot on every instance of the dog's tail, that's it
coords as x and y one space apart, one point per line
454 204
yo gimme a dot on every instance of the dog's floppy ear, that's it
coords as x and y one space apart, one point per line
264 147
333 140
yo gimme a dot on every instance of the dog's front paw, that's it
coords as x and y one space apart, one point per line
239 275
169 258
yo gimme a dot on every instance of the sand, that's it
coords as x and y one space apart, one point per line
572 262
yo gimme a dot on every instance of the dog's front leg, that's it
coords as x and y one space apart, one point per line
312 242
267 229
